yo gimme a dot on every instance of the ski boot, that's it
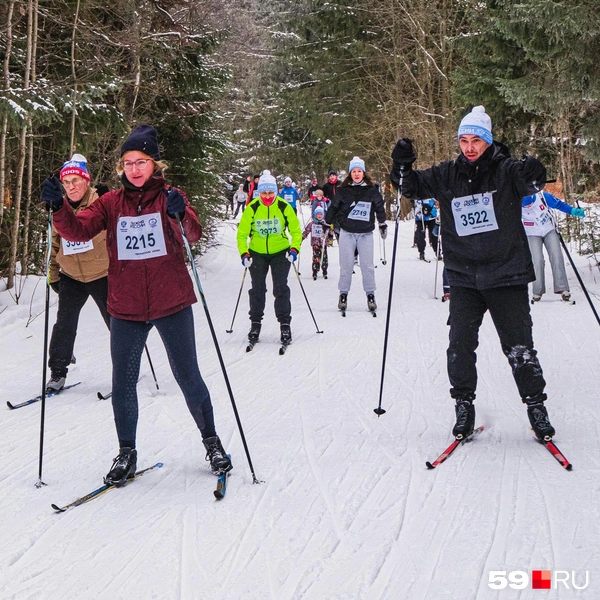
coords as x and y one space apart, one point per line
538 417
324 274
343 302
371 302
566 297
286 333
123 467
254 331
315 275
421 255
536 298
446 297
56 383
215 453
465 417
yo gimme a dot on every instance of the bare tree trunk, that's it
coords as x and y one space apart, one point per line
27 220
12 263
74 75
4 131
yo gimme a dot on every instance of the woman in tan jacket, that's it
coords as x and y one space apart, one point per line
78 270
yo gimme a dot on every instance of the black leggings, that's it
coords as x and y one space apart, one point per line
127 339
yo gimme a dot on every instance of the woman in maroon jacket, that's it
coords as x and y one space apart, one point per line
148 286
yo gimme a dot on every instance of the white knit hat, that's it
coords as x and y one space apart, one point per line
478 123
267 183
357 163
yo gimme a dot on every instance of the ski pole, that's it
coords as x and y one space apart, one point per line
238 301
305 297
560 237
384 261
40 483
151 366
218 349
380 411
437 262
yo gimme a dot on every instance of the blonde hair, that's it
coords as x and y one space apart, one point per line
159 165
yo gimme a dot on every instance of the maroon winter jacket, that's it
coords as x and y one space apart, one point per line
138 290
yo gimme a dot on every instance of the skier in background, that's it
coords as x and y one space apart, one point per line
289 193
355 206
425 220
239 199
487 259
78 270
541 231
268 222
319 232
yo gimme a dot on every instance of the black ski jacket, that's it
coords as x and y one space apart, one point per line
490 258
346 200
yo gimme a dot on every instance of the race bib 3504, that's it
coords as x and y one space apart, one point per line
75 247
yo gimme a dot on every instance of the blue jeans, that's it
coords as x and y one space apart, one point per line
127 339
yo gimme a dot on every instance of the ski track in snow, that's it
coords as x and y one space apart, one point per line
346 509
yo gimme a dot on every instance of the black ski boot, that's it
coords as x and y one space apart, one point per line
538 417
254 331
215 453
286 333
123 467
371 302
465 418
315 275
421 255
343 302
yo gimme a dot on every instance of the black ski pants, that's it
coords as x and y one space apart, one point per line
72 296
421 227
127 340
280 268
509 309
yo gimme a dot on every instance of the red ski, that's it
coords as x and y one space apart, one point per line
452 447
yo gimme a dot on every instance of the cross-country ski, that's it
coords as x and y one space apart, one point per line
49 394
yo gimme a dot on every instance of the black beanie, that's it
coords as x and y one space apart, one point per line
143 139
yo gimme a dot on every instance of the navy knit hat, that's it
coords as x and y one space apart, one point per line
143 139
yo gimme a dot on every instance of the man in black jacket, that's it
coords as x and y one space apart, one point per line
487 259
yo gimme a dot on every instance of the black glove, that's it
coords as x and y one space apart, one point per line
101 189
383 230
175 204
403 156
52 193
55 285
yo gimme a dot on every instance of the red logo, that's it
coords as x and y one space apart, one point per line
541 580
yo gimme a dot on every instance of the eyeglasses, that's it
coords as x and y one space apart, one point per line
73 182
140 165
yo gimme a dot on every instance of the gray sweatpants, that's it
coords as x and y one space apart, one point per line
557 263
363 242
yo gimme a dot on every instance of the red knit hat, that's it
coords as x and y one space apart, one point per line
76 166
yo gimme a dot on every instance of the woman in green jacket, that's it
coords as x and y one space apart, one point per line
263 240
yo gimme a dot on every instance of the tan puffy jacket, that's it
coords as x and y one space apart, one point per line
86 266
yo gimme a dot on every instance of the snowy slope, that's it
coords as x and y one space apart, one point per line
347 509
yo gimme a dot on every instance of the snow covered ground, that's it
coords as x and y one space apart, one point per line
347 509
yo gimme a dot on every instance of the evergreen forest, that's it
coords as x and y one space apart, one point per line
297 87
